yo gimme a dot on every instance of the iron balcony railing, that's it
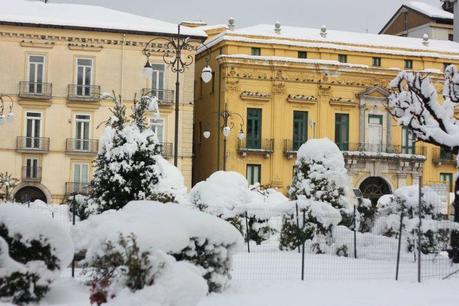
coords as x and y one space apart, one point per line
90 93
31 174
291 147
165 96
440 157
35 90
32 144
166 149
72 188
381 148
82 146
256 146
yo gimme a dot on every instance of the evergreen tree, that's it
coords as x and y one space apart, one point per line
127 164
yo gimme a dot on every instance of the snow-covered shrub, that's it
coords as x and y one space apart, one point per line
33 251
128 164
78 205
405 200
7 183
320 181
187 234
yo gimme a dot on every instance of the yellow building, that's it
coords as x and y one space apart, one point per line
283 85
56 61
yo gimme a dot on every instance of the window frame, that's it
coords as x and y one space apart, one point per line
376 61
344 146
449 180
250 179
300 53
255 51
154 125
342 58
296 143
92 74
408 64
257 143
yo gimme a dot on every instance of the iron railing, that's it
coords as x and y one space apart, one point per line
35 90
440 157
291 147
382 148
78 92
82 146
166 149
31 174
261 146
72 188
32 144
165 96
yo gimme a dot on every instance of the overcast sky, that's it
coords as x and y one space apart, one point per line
352 15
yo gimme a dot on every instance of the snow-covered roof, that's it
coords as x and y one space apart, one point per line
347 41
85 16
429 10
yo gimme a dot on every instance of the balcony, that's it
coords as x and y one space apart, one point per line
82 146
87 93
72 188
32 144
35 90
31 174
166 150
381 148
442 157
263 147
165 97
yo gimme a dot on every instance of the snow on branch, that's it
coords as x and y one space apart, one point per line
414 103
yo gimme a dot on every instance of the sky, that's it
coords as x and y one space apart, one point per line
350 15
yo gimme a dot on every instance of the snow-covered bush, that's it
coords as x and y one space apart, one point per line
320 183
33 251
186 234
78 205
128 164
366 215
434 231
7 183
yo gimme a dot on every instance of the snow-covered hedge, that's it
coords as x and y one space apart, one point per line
187 234
34 249
405 200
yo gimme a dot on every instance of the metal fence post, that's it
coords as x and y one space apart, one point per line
247 235
302 248
399 246
73 223
355 231
297 223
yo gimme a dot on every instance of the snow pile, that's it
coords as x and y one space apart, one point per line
33 250
223 194
200 238
172 180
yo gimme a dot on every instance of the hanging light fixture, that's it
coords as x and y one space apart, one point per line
206 74
226 131
147 69
206 134
241 135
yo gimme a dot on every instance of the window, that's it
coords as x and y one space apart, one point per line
256 51
33 130
450 37
376 62
157 125
408 64
31 168
36 73
447 178
446 154
342 58
375 133
302 54
300 129
82 132
80 177
253 174
445 65
157 81
342 131
408 143
254 128
84 77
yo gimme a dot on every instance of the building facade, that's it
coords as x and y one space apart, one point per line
55 69
283 85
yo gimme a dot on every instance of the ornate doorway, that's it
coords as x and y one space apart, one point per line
29 194
373 188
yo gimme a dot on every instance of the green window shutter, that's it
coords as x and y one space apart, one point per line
300 129
342 131
254 128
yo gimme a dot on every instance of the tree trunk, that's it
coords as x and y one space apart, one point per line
454 251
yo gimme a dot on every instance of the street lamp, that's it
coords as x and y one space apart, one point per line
6 115
226 130
175 46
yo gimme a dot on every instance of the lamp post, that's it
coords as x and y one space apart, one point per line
6 115
175 47
226 128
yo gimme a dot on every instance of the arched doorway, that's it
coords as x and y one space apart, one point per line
373 188
29 194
